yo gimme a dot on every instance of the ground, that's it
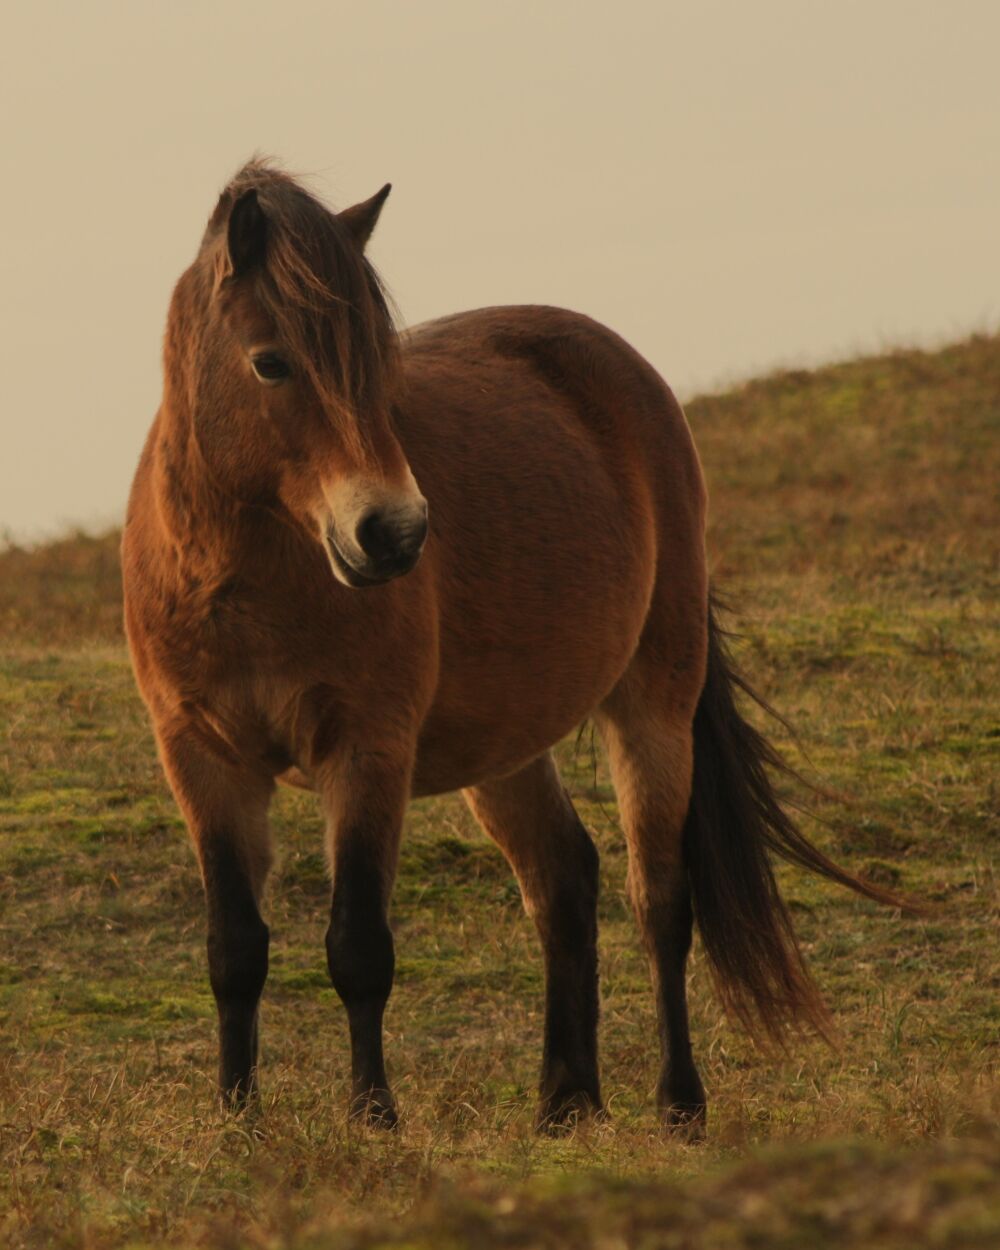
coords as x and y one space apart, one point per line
854 526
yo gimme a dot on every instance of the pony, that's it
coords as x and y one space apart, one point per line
385 564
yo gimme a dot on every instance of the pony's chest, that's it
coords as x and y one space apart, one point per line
274 680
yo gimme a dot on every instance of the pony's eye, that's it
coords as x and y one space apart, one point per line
270 367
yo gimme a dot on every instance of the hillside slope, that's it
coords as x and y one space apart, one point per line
887 466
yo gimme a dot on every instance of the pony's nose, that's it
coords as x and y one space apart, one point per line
391 541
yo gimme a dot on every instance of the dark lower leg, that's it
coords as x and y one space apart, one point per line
360 956
570 1086
237 963
651 762
680 1094
532 820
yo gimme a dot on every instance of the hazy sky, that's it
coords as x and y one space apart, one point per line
729 185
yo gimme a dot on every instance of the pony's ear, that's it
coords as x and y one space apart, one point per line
246 234
360 220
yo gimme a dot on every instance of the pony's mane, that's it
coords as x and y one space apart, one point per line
326 300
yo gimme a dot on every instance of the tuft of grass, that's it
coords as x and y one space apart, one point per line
854 513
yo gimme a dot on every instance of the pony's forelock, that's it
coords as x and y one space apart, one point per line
328 304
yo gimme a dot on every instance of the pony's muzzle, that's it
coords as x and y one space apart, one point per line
386 543
392 543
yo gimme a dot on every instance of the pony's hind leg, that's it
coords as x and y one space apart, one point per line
225 805
530 816
651 757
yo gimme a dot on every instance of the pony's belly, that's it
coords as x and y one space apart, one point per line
502 705
463 747
480 757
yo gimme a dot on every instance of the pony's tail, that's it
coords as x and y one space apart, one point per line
734 821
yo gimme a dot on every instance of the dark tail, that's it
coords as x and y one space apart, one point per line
734 821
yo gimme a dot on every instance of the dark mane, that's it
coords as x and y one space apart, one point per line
326 300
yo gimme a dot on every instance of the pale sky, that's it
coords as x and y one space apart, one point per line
730 185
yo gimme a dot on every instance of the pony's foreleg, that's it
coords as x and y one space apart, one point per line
651 763
365 795
531 818
226 806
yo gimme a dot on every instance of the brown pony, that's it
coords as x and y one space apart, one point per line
535 481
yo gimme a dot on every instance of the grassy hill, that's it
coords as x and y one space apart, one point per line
854 521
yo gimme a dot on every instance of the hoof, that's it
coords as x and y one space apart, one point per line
685 1121
681 1099
240 1100
375 1109
562 1113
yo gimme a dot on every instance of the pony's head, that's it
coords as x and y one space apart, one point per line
281 337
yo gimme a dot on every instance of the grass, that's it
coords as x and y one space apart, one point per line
854 521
